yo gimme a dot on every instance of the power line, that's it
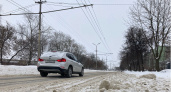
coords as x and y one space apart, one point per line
99 28
47 11
68 27
17 5
113 4
67 3
90 23
95 26
58 5
84 3
16 10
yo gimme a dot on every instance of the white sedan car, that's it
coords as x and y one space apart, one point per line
64 63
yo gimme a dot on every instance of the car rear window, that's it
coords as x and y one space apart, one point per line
56 54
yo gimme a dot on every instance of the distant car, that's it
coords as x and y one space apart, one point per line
64 63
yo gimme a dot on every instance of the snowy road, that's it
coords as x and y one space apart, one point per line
27 79
52 82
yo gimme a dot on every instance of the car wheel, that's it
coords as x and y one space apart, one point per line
69 72
82 72
43 74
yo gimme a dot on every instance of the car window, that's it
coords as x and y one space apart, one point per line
70 56
74 57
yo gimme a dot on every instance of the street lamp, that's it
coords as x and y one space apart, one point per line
96 53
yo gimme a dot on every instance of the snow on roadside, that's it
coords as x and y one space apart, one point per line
166 74
17 70
25 70
124 82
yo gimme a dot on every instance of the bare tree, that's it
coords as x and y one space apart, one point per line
26 45
6 37
154 16
20 43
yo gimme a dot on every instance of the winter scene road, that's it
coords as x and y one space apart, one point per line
85 45
16 79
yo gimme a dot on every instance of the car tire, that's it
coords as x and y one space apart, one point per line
69 72
43 74
82 72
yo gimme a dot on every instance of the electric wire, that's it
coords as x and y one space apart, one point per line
17 10
47 11
91 23
89 2
17 5
99 28
67 26
58 5
67 3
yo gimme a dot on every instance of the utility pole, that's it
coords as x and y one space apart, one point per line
110 66
107 54
0 13
96 53
39 37
106 61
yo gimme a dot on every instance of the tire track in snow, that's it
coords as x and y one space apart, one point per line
35 83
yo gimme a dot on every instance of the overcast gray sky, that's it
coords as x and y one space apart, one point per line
112 20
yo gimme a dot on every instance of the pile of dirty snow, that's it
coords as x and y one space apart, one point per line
123 82
162 74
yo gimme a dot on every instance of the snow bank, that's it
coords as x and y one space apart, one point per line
17 70
123 82
162 74
26 70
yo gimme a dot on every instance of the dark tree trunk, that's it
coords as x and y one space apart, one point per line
157 65
1 56
142 62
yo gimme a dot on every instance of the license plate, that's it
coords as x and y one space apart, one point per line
49 61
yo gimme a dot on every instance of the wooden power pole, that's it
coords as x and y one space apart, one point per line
39 37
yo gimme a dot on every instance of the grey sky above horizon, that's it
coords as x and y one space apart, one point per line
112 19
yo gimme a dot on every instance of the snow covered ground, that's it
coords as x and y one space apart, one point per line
162 74
127 81
6 70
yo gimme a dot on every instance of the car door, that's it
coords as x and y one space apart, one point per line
78 64
72 61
